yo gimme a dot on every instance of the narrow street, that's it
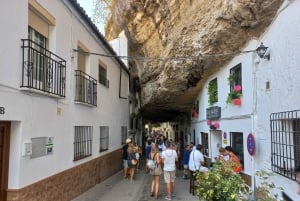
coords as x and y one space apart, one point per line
116 188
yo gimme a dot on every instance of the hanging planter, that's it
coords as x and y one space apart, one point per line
194 114
237 101
217 125
237 88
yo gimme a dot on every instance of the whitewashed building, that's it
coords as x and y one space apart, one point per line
268 112
64 107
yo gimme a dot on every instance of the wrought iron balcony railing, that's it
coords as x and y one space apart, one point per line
86 88
42 70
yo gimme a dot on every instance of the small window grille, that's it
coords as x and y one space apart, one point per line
285 142
103 76
83 138
104 138
123 134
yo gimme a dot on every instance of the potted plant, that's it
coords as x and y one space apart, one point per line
220 183
235 94
212 91
195 109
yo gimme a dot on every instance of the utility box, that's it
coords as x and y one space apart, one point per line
27 148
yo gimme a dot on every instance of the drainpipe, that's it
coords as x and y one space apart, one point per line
256 61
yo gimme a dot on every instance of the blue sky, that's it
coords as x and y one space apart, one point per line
87 5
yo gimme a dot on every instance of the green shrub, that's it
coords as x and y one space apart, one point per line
220 183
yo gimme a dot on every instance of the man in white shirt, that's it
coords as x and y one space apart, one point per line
169 157
195 162
196 159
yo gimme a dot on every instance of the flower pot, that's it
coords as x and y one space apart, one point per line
237 101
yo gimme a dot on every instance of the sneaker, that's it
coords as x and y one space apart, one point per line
173 195
168 198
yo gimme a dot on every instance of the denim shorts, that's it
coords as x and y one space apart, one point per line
125 163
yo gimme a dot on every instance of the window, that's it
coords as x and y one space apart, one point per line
285 142
83 138
86 85
213 91
235 77
195 109
124 85
82 57
42 70
237 143
39 68
104 138
123 134
103 76
204 142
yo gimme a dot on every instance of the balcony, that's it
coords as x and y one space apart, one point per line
42 70
86 89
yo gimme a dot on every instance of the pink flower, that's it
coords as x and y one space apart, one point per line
237 88
208 122
217 125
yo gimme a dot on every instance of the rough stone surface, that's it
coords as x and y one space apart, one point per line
176 44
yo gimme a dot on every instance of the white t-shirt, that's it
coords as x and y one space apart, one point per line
169 156
196 157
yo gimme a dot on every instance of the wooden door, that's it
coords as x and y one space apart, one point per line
4 158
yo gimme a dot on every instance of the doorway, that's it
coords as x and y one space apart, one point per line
237 144
4 158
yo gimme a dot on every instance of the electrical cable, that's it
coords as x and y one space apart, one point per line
164 58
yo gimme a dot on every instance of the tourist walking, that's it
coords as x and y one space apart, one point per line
125 157
185 161
169 158
148 150
156 172
132 161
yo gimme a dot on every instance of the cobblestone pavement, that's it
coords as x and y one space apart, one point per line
116 188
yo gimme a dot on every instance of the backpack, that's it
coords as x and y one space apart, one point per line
150 163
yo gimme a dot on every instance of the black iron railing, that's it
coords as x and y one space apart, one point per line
86 88
285 142
42 70
83 141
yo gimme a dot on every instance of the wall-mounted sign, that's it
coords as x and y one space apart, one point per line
2 110
213 112
225 135
251 144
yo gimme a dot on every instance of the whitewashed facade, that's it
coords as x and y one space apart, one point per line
269 105
81 101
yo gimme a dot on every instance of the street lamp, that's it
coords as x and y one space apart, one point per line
262 52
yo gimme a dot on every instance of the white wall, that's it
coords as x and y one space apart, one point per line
120 45
35 115
282 71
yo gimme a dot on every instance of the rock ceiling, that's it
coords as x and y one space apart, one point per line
170 40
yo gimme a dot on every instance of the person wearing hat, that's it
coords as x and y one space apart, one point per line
125 157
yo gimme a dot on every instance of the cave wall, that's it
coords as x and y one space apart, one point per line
176 44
